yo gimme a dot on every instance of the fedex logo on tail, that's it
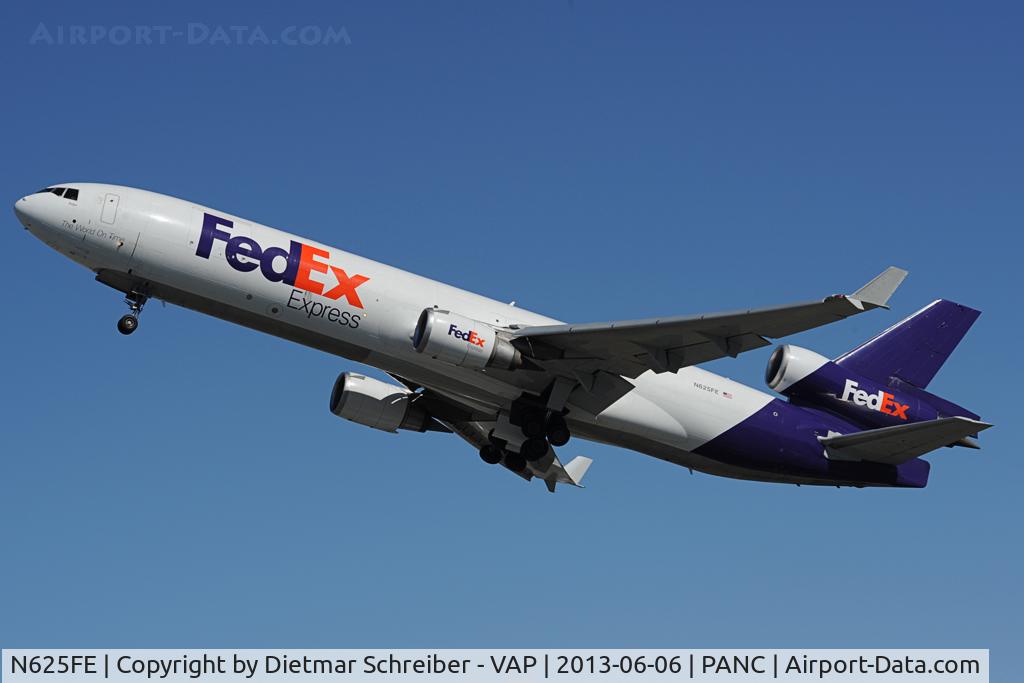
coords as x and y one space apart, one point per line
883 401
298 266
472 337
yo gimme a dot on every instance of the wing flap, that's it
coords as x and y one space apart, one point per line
576 470
898 444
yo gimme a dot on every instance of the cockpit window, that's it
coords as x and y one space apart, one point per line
66 192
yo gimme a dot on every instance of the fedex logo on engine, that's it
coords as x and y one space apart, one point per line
472 337
883 401
298 266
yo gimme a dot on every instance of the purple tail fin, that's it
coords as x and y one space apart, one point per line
914 349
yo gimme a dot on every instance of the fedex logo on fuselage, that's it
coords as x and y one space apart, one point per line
297 266
883 401
472 337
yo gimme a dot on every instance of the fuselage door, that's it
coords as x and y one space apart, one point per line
109 213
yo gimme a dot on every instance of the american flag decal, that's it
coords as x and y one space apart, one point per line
726 394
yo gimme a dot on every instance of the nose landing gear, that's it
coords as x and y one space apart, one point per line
130 322
127 324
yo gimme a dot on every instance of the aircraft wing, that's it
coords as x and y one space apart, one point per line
632 347
898 444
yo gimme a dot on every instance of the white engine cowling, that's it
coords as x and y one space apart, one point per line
462 341
377 404
789 364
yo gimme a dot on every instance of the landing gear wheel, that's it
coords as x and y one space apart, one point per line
127 324
490 454
534 449
558 431
533 425
515 461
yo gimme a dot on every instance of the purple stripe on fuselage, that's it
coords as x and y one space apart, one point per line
867 402
781 439
831 388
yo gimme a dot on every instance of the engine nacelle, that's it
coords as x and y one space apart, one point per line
458 340
377 404
789 364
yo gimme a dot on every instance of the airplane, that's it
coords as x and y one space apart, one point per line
517 385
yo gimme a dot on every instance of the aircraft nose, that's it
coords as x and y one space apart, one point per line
23 210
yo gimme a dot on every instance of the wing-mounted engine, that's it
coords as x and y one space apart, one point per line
458 340
380 405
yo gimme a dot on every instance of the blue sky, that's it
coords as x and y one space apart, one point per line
592 161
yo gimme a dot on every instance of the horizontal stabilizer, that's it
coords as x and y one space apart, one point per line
896 445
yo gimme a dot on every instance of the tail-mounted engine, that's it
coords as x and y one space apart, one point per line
808 378
789 365
377 404
457 340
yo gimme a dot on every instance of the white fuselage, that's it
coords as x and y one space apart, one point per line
359 309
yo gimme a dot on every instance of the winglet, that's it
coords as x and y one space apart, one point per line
877 292
577 469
